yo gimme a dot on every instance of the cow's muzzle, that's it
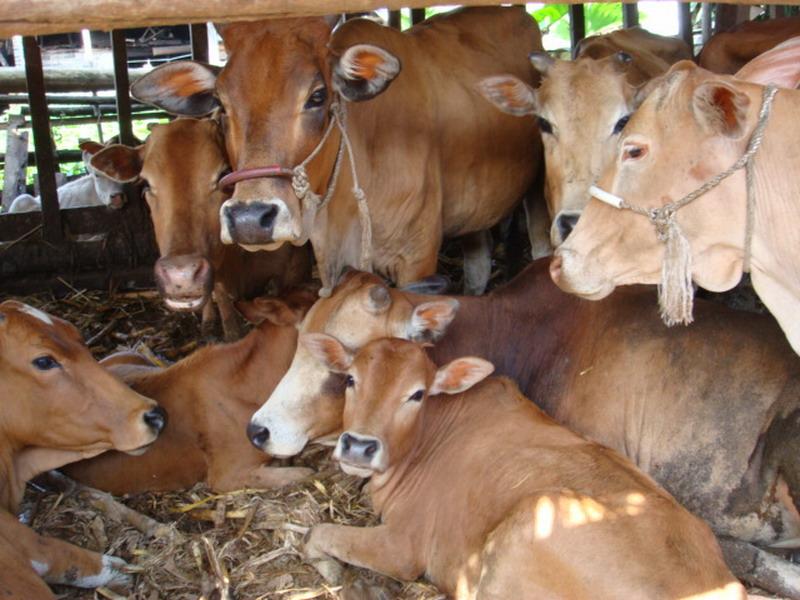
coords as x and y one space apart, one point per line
185 281
360 455
251 224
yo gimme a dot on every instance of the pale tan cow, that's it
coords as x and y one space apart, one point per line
181 163
58 406
489 498
581 107
692 127
413 115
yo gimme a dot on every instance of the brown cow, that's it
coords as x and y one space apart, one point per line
181 162
582 107
779 66
709 411
728 51
414 144
693 126
210 397
58 406
557 516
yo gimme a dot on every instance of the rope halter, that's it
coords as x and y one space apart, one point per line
311 201
675 292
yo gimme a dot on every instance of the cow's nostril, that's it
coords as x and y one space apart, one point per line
268 216
566 223
156 419
346 441
258 435
370 448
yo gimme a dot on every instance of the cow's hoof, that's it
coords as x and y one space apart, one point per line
330 569
112 575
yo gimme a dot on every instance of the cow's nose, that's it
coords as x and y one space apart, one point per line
251 223
184 280
258 434
555 268
359 450
565 223
156 419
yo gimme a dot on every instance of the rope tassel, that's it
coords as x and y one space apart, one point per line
675 292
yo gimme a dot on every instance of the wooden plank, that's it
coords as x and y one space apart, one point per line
117 279
121 86
43 143
417 15
29 17
16 160
630 15
577 25
395 19
685 25
199 35
12 79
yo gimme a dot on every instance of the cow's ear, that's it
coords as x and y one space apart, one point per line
90 147
119 163
429 321
720 108
364 71
509 94
327 350
184 87
268 309
460 375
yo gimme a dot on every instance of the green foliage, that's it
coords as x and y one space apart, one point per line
554 20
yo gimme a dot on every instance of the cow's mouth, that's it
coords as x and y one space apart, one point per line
185 303
140 450
357 470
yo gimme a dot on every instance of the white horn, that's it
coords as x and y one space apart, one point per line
606 197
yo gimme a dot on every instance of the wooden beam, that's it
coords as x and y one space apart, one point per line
16 160
685 24
630 15
121 86
417 15
12 80
199 35
395 19
43 142
577 25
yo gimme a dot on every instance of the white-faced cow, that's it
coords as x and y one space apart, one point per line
489 498
181 163
93 189
582 107
58 406
679 220
709 411
432 158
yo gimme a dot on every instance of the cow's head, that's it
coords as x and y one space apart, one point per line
582 106
692 126
180 163
276 92
109 191
58 400
387 382
308 402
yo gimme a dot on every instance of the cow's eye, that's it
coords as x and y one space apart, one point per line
620 125
316 99
634 152
45 363
349 381
544 125
417 396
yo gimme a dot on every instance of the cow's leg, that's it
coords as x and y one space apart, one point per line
761 568
18 580
231 328
477 248
60 562
230 477
382 549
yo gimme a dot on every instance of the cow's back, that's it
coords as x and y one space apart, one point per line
729 51
429 133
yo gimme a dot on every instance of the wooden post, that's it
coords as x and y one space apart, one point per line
707 17
417 15
43 143
121 85
16 161
630 15
199 35
577 25
777 11
685 26
395 19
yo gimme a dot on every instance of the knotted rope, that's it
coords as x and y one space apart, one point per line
314 202
675 291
